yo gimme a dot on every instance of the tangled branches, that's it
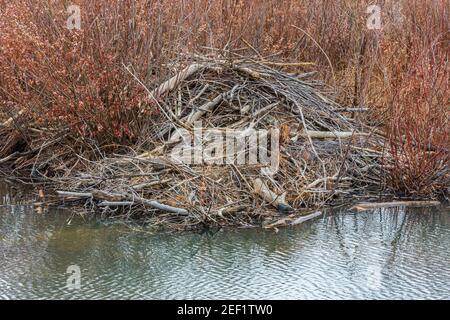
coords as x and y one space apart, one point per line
323 155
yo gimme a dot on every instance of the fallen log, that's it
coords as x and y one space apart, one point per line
278 201
363 206
306 218
163 207
129 199
287 221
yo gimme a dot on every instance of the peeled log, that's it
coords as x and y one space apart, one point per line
129 200
306 218
264 192
363 206
170 84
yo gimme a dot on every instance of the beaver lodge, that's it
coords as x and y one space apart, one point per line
315 153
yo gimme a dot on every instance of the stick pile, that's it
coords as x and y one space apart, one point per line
324 155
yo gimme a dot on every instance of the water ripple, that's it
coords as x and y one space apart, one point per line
385 254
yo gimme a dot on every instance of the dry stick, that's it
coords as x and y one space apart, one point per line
207 107
309 138
202 91
69 194
170 117
116 203
321 180
289 64
264 192
230 210
163 207
331 134
255 115
317 182
8 157
353 110
306 218
321 49
252 73
165 86
197 114
339 173
8 122
287 220
173 82
253 48
242 177
151 203
150 94
279 64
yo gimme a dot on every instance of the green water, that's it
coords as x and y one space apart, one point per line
383 254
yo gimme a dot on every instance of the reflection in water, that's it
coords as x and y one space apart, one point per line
381 254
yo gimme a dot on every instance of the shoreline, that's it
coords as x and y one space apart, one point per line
46 198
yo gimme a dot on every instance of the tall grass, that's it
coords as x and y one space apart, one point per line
76 78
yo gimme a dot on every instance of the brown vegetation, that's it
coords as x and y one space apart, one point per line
71 92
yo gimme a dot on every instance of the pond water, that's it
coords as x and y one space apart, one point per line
383 254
